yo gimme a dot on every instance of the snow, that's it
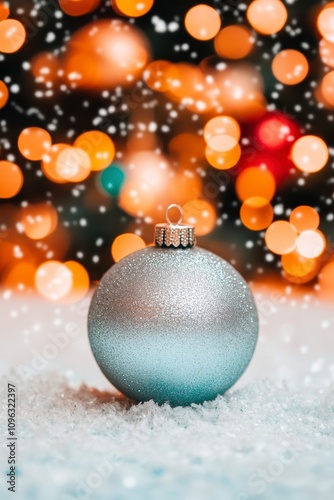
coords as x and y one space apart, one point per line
270 437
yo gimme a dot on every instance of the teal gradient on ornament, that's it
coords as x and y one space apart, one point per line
112 179
173 325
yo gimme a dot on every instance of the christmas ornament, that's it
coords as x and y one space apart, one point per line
173 322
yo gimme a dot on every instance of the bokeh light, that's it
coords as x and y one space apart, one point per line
202 22
78 7
34 142
310 153
11 179
187 149
201 214
326 52
290 67
105 54
4 94
267 16
99 147
234 42
38 221
4 10
327 88
256 213
49 162
53 280
276 131
222 125
241 91
125 244
281 237
310 244
299 269
20 276
112 179
223 152
80 282
304 218
12 36
45 67
255 181
325 23
132 8
73 164
326 280
157 75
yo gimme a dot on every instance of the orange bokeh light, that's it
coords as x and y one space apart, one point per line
234 42
53 280
78 7
202 22
49 162
157 75
281 237
45 67
11 179
223 152
290 67
34 142
201 214
12 36
4 94
132 8
255 181
326 51
256 213
311 244
80 282
125 244
327 88
222 125
326 280
38 221
184 80
99 147
21 276
298 269
73 164
105 54
310 153
325 23
240 89
187 148
267 16
4 10
304 217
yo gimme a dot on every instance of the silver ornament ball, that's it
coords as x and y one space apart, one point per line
175 325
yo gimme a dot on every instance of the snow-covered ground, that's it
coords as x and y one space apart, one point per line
270 437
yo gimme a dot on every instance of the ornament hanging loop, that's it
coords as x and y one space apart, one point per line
180 209
174 234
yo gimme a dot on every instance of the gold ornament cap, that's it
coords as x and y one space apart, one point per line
171 234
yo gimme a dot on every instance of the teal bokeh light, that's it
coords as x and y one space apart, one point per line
112 179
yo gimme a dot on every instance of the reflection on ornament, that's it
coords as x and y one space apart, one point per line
173 323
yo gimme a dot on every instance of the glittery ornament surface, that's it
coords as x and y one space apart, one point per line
177 325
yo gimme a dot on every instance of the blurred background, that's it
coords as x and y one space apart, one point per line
112 110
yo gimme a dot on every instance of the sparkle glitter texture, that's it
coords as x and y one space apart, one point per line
173 324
